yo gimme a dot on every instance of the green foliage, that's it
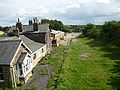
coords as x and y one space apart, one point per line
5 29
91 30
54 24
87 29
95 33
3 35
74 28
111 32
1 28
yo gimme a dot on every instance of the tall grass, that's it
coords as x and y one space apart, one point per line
88 66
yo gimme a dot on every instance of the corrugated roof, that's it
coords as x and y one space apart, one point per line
8 48
22 57
32 45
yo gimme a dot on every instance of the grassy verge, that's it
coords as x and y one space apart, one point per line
90 65
55 60
3 35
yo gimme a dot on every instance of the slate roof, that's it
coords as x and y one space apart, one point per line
8 48
8 38
43 27
12 28
29 28
22 57
32 45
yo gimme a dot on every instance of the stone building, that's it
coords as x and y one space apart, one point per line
18 57
35 31
20 54
39 50
14 55
57 37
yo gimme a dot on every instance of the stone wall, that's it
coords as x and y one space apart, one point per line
6 74
48 41
42 38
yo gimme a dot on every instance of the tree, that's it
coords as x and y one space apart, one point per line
87 29
111 32
1 28
54 24
45 21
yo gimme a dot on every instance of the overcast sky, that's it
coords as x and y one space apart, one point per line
68 11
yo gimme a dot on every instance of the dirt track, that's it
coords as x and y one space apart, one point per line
68 37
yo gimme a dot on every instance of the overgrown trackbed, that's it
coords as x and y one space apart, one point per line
90 65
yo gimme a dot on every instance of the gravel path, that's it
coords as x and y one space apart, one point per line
68 37
40 77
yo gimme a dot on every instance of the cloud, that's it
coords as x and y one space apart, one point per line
70 11
104 1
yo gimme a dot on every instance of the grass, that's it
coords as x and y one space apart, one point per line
3 35
90 65
55 59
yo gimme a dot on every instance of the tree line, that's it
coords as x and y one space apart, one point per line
108 32
54 24
5 29
58 25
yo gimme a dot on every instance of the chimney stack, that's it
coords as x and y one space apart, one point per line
35 24
30 22
19 25
18 20
16 32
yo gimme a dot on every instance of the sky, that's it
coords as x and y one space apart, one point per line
76 12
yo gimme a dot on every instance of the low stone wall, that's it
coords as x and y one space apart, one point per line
7 77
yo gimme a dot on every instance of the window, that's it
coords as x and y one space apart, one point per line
21 72
30 60
27 68
27 62
1 74
34 57
42 50
20 68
